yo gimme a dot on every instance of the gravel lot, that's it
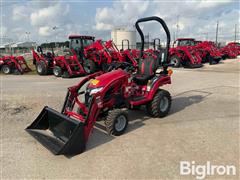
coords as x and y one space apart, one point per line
203 125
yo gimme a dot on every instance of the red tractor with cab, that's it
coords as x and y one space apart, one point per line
184 54
78 43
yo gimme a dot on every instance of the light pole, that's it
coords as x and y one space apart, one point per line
28 38
177 26
28 35
54 29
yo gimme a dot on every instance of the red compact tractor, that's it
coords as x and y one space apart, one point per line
97 57
235 46
231 50
43 61
65 66
184 54
106 97
129 55
100 55
13 64
209 52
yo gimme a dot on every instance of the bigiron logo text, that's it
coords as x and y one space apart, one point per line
201 171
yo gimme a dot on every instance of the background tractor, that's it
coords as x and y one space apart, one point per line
14 64
60 66
184 54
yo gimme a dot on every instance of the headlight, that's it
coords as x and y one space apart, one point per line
96 90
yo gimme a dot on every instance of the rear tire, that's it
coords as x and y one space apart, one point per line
41 68
6 69
116 122
89 66
160 105
57 71
176 61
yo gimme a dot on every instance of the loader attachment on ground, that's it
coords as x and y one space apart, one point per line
58 133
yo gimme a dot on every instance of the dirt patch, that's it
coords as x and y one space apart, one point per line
19 110
16 110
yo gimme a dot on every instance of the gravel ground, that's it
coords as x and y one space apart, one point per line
203 125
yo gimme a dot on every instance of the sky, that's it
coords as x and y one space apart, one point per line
46 21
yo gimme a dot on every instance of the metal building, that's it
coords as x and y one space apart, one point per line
120 34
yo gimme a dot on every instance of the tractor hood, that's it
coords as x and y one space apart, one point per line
106 78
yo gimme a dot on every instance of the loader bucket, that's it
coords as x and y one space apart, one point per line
58 133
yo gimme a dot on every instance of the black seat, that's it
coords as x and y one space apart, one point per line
146 71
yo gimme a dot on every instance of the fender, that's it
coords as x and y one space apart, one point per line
158 83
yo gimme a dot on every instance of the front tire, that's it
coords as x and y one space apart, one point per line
57 71
41 68
176 61
116 122
160 104
89 66
6 69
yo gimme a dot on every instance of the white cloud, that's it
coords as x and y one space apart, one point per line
120 14
211 3
102 26
196 18
20 12
45 31
48 15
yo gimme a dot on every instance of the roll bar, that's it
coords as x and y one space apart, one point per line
127 43
153 18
